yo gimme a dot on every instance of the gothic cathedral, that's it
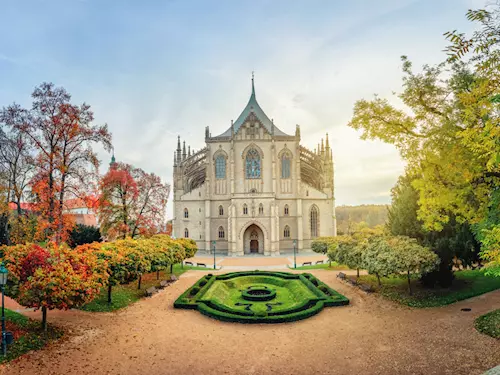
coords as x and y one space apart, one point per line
254 189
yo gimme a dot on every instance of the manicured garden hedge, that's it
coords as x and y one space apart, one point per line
193 298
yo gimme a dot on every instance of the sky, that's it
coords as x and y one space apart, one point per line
153 70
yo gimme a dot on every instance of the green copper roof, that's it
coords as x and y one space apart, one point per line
253 106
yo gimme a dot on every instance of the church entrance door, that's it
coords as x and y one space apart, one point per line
254 246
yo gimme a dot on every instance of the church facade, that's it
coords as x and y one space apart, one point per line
254 189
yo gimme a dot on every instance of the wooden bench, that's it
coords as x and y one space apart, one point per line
319 262
201 264
188 263
341 275
306 264
150 291
351 281
366 288
163 284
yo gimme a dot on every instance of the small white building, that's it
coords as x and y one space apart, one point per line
254 188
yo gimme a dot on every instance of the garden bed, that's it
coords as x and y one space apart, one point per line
286 297
28 335
467 284
489 324
124 295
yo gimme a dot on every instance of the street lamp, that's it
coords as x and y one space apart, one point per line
213 243
3 280
294 253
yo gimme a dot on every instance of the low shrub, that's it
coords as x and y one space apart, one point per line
202 283
194 290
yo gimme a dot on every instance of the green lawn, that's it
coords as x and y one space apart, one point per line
325 266
466 285
28 335
124 295
489 324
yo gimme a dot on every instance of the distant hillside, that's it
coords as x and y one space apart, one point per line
349 216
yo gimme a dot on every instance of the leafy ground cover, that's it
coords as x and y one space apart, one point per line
489 324
28 335
124 295
469 283
325 266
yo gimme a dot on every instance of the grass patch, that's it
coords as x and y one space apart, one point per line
325 266
28 335
489 324
124 295
469 283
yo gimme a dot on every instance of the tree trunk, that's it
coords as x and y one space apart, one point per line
109 293
378 278
358 272
157 274
139 283
44 319
409 284
172 269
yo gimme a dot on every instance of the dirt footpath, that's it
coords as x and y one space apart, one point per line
370 336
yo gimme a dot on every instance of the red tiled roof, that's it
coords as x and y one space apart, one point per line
24 206
90 202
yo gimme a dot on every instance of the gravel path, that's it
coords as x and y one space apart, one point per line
370 336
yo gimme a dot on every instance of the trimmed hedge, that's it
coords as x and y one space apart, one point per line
192 298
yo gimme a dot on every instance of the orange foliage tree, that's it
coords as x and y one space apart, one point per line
132 202
62 135
55 277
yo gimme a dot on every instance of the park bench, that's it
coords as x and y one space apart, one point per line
366 288
341 275
201 264
307 264
150 291
319 262
188 263
351 281
163 284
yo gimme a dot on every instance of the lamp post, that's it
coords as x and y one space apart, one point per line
3 280
294 253
213 243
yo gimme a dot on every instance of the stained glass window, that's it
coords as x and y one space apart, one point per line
286 209
253 164
221 211
245 209
221 232
261 209
220 167
186 213
186 233
285 166
314 221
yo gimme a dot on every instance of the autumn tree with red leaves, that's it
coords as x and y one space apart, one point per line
55 277
62 135
131 202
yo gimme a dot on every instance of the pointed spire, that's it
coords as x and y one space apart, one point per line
175 158
113 159
322 147
253 86
327 143
189 150
183 150
319 149
178 143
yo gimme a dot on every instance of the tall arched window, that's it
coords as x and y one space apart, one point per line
285 165
286 232
253 164
314 221
186 233
221 211
221 232
245 209
261 209
220 167
186 213
286 210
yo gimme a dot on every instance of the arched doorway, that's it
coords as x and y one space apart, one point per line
253 240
